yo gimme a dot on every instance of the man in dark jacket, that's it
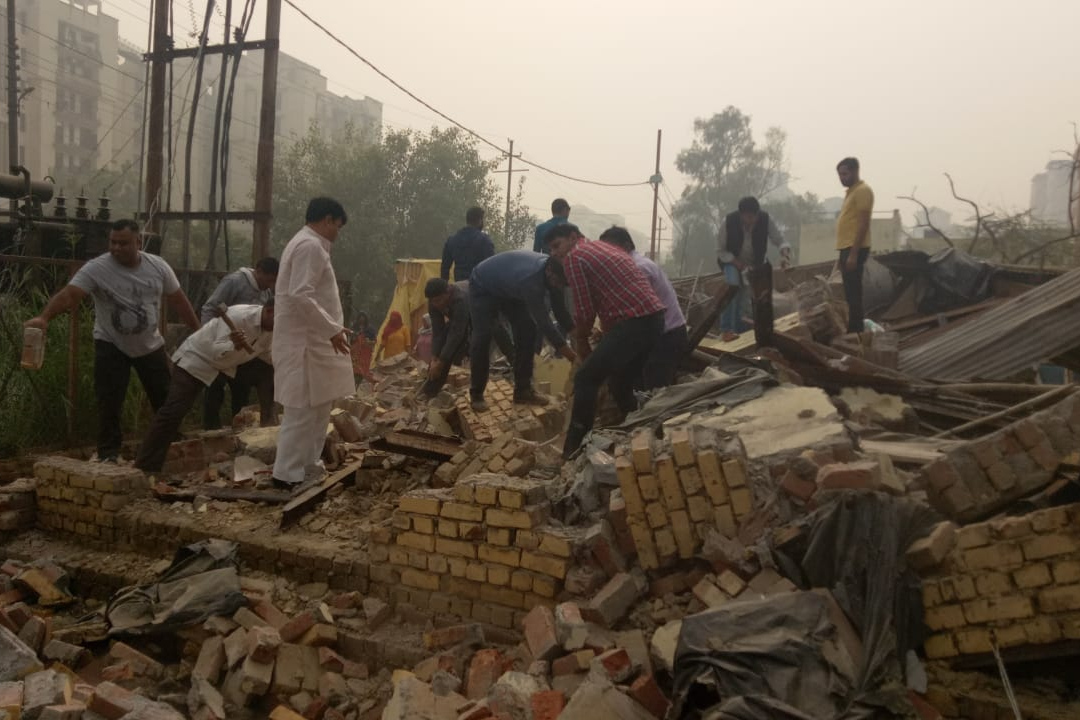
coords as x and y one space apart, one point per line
742 244
448 306
467 248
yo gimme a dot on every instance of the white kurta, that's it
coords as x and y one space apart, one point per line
308 372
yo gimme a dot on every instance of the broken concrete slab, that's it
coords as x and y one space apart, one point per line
17 660
596 700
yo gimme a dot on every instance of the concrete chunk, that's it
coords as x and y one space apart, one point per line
42 689
16 659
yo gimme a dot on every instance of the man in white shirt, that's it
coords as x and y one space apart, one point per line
312 366
214 349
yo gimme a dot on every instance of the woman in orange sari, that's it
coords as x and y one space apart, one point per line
395 336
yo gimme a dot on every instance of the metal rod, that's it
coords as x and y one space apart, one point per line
1060 390
12 94
264 169
155 154
72 371
655 198
509 186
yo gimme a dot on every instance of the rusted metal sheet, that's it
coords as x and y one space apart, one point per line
1030 328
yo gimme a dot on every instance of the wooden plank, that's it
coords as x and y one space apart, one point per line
419 444
214 492
302 503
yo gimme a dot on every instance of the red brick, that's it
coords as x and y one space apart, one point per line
575 662
540 634
273 617
295 628
140 663
330 660
547 704
649 695
925 710
615 664
111 701
797 487
485 668
857 475
613 601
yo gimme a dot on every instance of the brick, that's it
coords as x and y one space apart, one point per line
525 519
655 515
416 541
485 668
986 610
649 488
670 489
683 531
1032 575
319 635
111 701
734 473
725 521
929 551
1059 599
649 695
477 572
945 617
459 548
641 451
547 704
67 711
643 542
960 587
1011 528
1044 546
1067 572
627 477
730 583
709 595
502 537
993 584
1049 519
211 659
666 549
256 677
614 664
511 557
263 643
613 601
575 662
461 511
470 531
741 501
419 503
940 646
499 575
556 544
973 536
699 508
712 476
445 637
295 628
419 579
1000 555
140 663
44 688
424 525
974 641
1041 630
546 565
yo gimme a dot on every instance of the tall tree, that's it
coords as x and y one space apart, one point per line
404 194
724 163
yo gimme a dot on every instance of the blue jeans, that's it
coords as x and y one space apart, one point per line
731 319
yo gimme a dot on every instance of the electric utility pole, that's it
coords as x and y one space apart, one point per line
510 185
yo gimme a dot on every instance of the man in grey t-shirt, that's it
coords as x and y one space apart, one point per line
127 285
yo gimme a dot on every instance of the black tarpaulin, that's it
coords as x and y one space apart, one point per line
202 581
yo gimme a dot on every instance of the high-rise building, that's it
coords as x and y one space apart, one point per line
1050 192
81 115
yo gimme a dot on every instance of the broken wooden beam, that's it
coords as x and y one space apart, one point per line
214 492
302 503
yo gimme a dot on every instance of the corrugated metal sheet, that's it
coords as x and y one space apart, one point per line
1040 324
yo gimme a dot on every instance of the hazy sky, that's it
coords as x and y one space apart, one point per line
983 89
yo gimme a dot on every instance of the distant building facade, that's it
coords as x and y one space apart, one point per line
1050 202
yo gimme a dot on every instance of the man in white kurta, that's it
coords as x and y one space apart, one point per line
312 367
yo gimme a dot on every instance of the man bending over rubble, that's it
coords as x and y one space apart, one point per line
312 365
517 284
673 345
127 285
448 306
605 282
213 350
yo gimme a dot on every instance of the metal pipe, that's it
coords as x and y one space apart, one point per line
264 170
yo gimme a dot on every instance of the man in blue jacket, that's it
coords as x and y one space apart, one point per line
560 213
467 248
519 285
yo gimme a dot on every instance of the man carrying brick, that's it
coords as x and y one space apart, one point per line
518 285
127 285
674 344
605 282
212 351
246 286
448 306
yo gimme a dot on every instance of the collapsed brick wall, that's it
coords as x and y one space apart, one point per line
482 550
983 476
18 508
677 491
81 499
536 423
12 469
1013 581
507 455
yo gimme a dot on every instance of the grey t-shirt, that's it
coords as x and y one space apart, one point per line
127 301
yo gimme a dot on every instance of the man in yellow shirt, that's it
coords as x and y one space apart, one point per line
853 237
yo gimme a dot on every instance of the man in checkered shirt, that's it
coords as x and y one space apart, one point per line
605 283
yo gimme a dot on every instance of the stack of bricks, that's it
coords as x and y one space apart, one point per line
506 454
480 550
678 491
17 506
15 468
81 499
526 421
983 476
1012 581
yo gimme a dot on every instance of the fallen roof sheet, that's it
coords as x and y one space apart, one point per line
1038 325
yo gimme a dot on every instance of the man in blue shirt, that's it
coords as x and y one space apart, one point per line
467 248
560 213
518 284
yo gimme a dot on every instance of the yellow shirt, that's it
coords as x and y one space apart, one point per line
858 200
396 343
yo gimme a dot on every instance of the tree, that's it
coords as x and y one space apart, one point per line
404 194
724 163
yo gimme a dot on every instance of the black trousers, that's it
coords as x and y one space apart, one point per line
663 361
112 371
619 358
853 287
485 310
183 392
254 373
432 386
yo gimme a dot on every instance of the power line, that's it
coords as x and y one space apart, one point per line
443 115
59 43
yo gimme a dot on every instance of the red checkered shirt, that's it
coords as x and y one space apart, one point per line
606 281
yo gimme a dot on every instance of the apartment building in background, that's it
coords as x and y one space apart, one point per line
82 106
